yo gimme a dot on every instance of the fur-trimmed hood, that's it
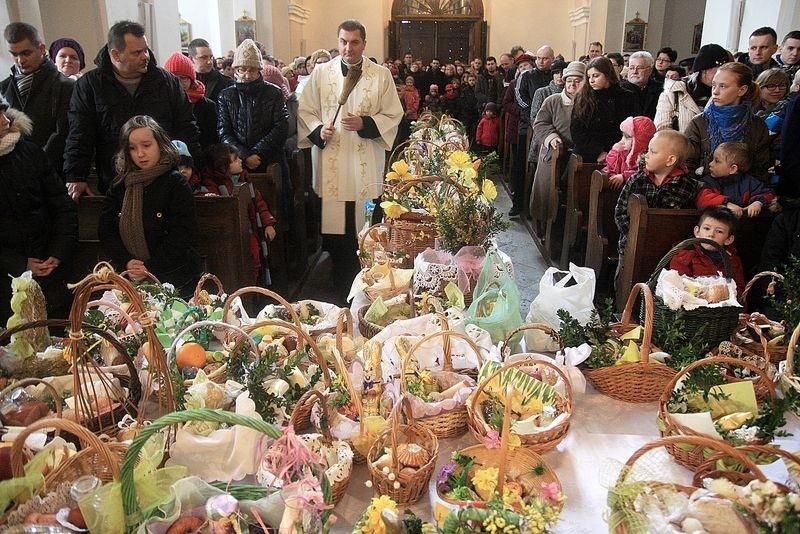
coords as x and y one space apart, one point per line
19 122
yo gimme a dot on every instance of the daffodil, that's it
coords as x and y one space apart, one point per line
489 190
373 522
400 171
392 209
460 160
485 481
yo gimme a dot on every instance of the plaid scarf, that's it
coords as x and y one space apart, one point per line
728 123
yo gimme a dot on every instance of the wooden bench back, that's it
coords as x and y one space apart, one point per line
579 176
602 233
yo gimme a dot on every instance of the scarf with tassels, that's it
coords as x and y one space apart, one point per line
131 225
728 123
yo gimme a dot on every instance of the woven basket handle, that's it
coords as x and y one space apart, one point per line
702 441
124 314
25 382
686 243
311 397
133 514
303 339
532 326
262 291
789 371
202 282
395 420
649 312
344 326
756 278
447 363
369 233
147 275
341 370
84 434
709 464
172 351
505 436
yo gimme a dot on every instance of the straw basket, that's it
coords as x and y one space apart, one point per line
790 380
342 449
620 500
369 329
230 317
717 323
410 488
95 458
376 249
303 418
760 346
133 514
220 374
633 382
506 346
450 423
201 296
538 442
692 457
519 464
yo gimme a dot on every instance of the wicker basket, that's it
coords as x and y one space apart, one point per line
355 398
370 330
375 250
303 419
790 380
454 422
200 296
50 390
737 472
633 382
759 345
94 458
339 488
619 499
717 323
410 488
133 514
692 457
229 317
409 235
506 346
538 442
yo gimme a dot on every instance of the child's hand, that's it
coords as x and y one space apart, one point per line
211 195
602 157
737 210
269 232
252 161
136 269
616 181
754 209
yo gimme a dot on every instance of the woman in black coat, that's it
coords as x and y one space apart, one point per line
148 221
38 221
600 106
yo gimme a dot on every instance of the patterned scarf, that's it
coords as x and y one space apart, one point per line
131 225
728 123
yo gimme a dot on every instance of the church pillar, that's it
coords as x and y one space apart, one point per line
298 16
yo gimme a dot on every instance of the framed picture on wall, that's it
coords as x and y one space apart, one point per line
634 35
186 34
697 37
245 29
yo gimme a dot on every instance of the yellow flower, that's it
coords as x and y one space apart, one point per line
373 522
489 190
514 441
392 209
460 160
400 171
485 482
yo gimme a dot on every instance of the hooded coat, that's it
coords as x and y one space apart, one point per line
625 162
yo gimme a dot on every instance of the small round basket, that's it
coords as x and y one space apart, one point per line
540 441
633 382
692 457
753 342
201 296
405 489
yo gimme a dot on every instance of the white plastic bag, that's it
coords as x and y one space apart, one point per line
574 292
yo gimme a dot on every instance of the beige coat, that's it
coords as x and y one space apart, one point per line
349 168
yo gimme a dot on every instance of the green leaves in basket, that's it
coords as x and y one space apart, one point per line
673 339
529 387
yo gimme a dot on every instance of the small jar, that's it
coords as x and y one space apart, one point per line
83 486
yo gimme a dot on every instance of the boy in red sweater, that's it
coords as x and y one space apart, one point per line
488 133
729 184
717 223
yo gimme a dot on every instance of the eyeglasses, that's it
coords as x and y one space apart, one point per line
773 86
638 67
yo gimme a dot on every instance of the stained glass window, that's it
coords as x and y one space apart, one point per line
437 7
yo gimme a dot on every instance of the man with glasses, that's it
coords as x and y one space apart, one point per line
203 59
124 84
641 82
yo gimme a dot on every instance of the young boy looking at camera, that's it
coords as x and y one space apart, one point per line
664 181
729 184
717 223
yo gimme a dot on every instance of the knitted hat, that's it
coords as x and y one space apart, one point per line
575 68
449 87
525 57
710 56
247 55
58 44
273 75
180 65
433 86
558 65
491 106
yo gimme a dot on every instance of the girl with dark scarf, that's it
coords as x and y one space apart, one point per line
148 221
729 116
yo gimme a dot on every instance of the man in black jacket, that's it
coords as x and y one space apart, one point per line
39 90
642 84
203 59
125 83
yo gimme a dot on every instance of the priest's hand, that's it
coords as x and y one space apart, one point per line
352 123
326 133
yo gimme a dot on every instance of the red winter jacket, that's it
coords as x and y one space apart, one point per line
695 262
488 132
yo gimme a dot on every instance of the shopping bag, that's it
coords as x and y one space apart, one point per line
496 302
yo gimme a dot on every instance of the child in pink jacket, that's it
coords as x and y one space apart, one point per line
622 159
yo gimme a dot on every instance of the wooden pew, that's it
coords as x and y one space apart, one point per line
654 231
579 175
270 185
602 234
224 244
545 232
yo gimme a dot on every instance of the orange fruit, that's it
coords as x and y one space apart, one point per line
191 355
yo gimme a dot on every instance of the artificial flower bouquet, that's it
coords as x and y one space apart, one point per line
383 516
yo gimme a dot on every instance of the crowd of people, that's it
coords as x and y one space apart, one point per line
712 131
